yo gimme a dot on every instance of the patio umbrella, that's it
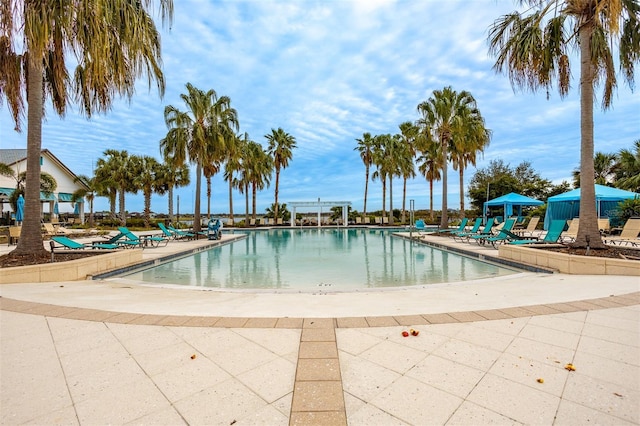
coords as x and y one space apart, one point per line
20 209
76 209
56 210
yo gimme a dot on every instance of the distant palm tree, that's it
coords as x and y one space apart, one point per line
173 176
628 168
535 50
121 173
259 167
198 134
604 167
365 148
113 43
89 192
149 180
430 165
379 159
233 164
280 148
445 116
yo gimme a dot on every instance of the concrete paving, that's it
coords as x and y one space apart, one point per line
530 348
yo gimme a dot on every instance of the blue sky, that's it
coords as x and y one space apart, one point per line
326 72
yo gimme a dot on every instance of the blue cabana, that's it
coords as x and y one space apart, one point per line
567 206
509 201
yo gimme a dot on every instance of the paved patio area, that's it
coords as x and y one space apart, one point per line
487 352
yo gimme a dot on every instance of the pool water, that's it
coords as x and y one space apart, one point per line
319 259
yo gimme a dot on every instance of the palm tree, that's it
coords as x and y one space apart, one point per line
233 164
120 169
365 148
121 43
430 165
198 134
89 192
173 176
105 186
149 179
259 166
280 145
445 117
408 134
604 168
534 50
628 168
378 158
475 138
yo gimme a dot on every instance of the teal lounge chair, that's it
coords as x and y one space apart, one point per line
474 230
503 236
420 226
182 234
167 233
143 241
68 243
118 239
460 228
553 234
485 232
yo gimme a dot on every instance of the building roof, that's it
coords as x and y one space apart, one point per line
13 156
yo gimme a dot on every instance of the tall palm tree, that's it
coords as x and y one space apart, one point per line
408 134
280 146
259 167
365 148
445 116
198 134
628 168
233 165
121 43
475 138
430 165
378 159
534 51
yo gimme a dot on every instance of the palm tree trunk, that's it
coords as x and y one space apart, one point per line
231 199
275 209
588 232
253 200
171 203
366 189
391 200
208 196
461 173
147 206
196 213
384 196
444 221
431 199
123 212
113 194
246 204
30 241
404 198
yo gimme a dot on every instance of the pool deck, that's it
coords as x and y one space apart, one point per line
488 351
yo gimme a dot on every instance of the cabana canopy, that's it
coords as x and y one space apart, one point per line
510 200
567 206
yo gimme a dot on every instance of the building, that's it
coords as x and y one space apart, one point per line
49 163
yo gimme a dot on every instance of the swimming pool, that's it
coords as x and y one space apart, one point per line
319 259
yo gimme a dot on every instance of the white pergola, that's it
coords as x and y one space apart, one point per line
318 205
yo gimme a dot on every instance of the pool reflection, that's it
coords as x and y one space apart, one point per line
319 259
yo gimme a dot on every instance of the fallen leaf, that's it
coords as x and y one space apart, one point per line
618 395
540 380
569 367
193 356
